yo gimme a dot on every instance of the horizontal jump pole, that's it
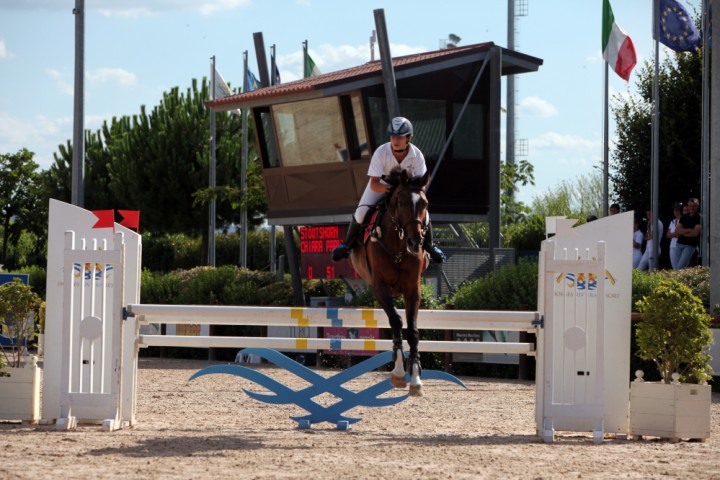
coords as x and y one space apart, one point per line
279 343
331 317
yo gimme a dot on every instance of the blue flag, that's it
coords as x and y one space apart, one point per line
253 82
276 79
676 29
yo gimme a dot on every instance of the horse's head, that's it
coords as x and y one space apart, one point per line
408 209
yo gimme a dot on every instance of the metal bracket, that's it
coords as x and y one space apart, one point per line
127 313
539 322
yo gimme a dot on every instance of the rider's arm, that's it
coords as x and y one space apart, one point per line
377 186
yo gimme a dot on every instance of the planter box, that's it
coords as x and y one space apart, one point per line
673 411
20 393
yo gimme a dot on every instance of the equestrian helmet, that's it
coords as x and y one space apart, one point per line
400 126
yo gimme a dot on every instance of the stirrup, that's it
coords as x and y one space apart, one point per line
340 252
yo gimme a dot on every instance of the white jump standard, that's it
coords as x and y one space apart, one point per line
582 357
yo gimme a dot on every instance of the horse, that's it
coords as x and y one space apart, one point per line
391 260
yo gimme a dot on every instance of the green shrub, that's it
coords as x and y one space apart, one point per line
19 308
158 288
514 287
675 332
165 253
697 279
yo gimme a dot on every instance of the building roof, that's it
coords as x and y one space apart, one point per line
370 74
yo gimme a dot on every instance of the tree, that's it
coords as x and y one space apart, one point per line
680 86
157 162
19 195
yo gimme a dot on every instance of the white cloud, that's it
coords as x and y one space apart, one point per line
130 7
61 81
330 58
114 76
40 135
5 54
536 107
553 141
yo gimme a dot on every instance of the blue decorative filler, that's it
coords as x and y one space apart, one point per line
348 399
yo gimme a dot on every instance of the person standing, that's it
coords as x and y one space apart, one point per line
672 235
637 243
397 153
688 233
649 240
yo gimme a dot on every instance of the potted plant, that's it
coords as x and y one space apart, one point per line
674 334
20 382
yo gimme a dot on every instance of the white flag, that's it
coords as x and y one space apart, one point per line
221 87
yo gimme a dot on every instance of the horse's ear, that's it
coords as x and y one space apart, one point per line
424 179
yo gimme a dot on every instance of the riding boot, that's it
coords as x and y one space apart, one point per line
342 251
435 253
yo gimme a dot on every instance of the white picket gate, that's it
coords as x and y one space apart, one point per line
573 371
92 334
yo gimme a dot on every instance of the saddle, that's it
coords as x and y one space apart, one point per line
371 224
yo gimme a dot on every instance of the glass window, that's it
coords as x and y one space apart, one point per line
427 117
310 132
468 138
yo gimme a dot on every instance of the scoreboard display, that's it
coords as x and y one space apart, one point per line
316 246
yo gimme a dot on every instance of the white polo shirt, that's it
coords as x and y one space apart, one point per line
383 162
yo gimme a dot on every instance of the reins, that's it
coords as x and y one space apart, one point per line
400 229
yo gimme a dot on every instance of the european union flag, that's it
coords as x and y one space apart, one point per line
676 29
253 82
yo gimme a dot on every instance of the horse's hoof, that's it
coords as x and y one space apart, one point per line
398 382
416 391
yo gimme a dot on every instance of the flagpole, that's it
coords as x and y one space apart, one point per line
655 161
211 226
705 143
243 169
606 144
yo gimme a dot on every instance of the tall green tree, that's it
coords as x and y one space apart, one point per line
158 162
19 196
680 85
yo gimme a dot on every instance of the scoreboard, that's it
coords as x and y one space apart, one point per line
316 246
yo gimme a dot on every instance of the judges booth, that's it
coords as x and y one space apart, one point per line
316 136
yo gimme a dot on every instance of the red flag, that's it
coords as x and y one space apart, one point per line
131 219
106 218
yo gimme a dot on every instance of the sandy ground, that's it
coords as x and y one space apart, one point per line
209 428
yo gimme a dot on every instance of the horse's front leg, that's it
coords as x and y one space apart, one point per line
412 335
384 298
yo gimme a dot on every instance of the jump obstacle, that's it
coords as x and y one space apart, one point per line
579 386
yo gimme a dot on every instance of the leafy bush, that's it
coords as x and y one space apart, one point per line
526 235
165 253
697 279
675 332
514 287
19 307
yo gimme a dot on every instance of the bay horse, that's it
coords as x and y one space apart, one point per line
391 260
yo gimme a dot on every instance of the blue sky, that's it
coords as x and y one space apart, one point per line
137 49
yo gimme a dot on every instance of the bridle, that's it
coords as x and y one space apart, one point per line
400 228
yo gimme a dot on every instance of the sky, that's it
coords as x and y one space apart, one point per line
137 49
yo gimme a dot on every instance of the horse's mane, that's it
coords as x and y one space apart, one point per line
399 176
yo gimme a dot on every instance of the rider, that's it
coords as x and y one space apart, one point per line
397 152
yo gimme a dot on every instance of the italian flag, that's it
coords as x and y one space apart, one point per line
617 47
